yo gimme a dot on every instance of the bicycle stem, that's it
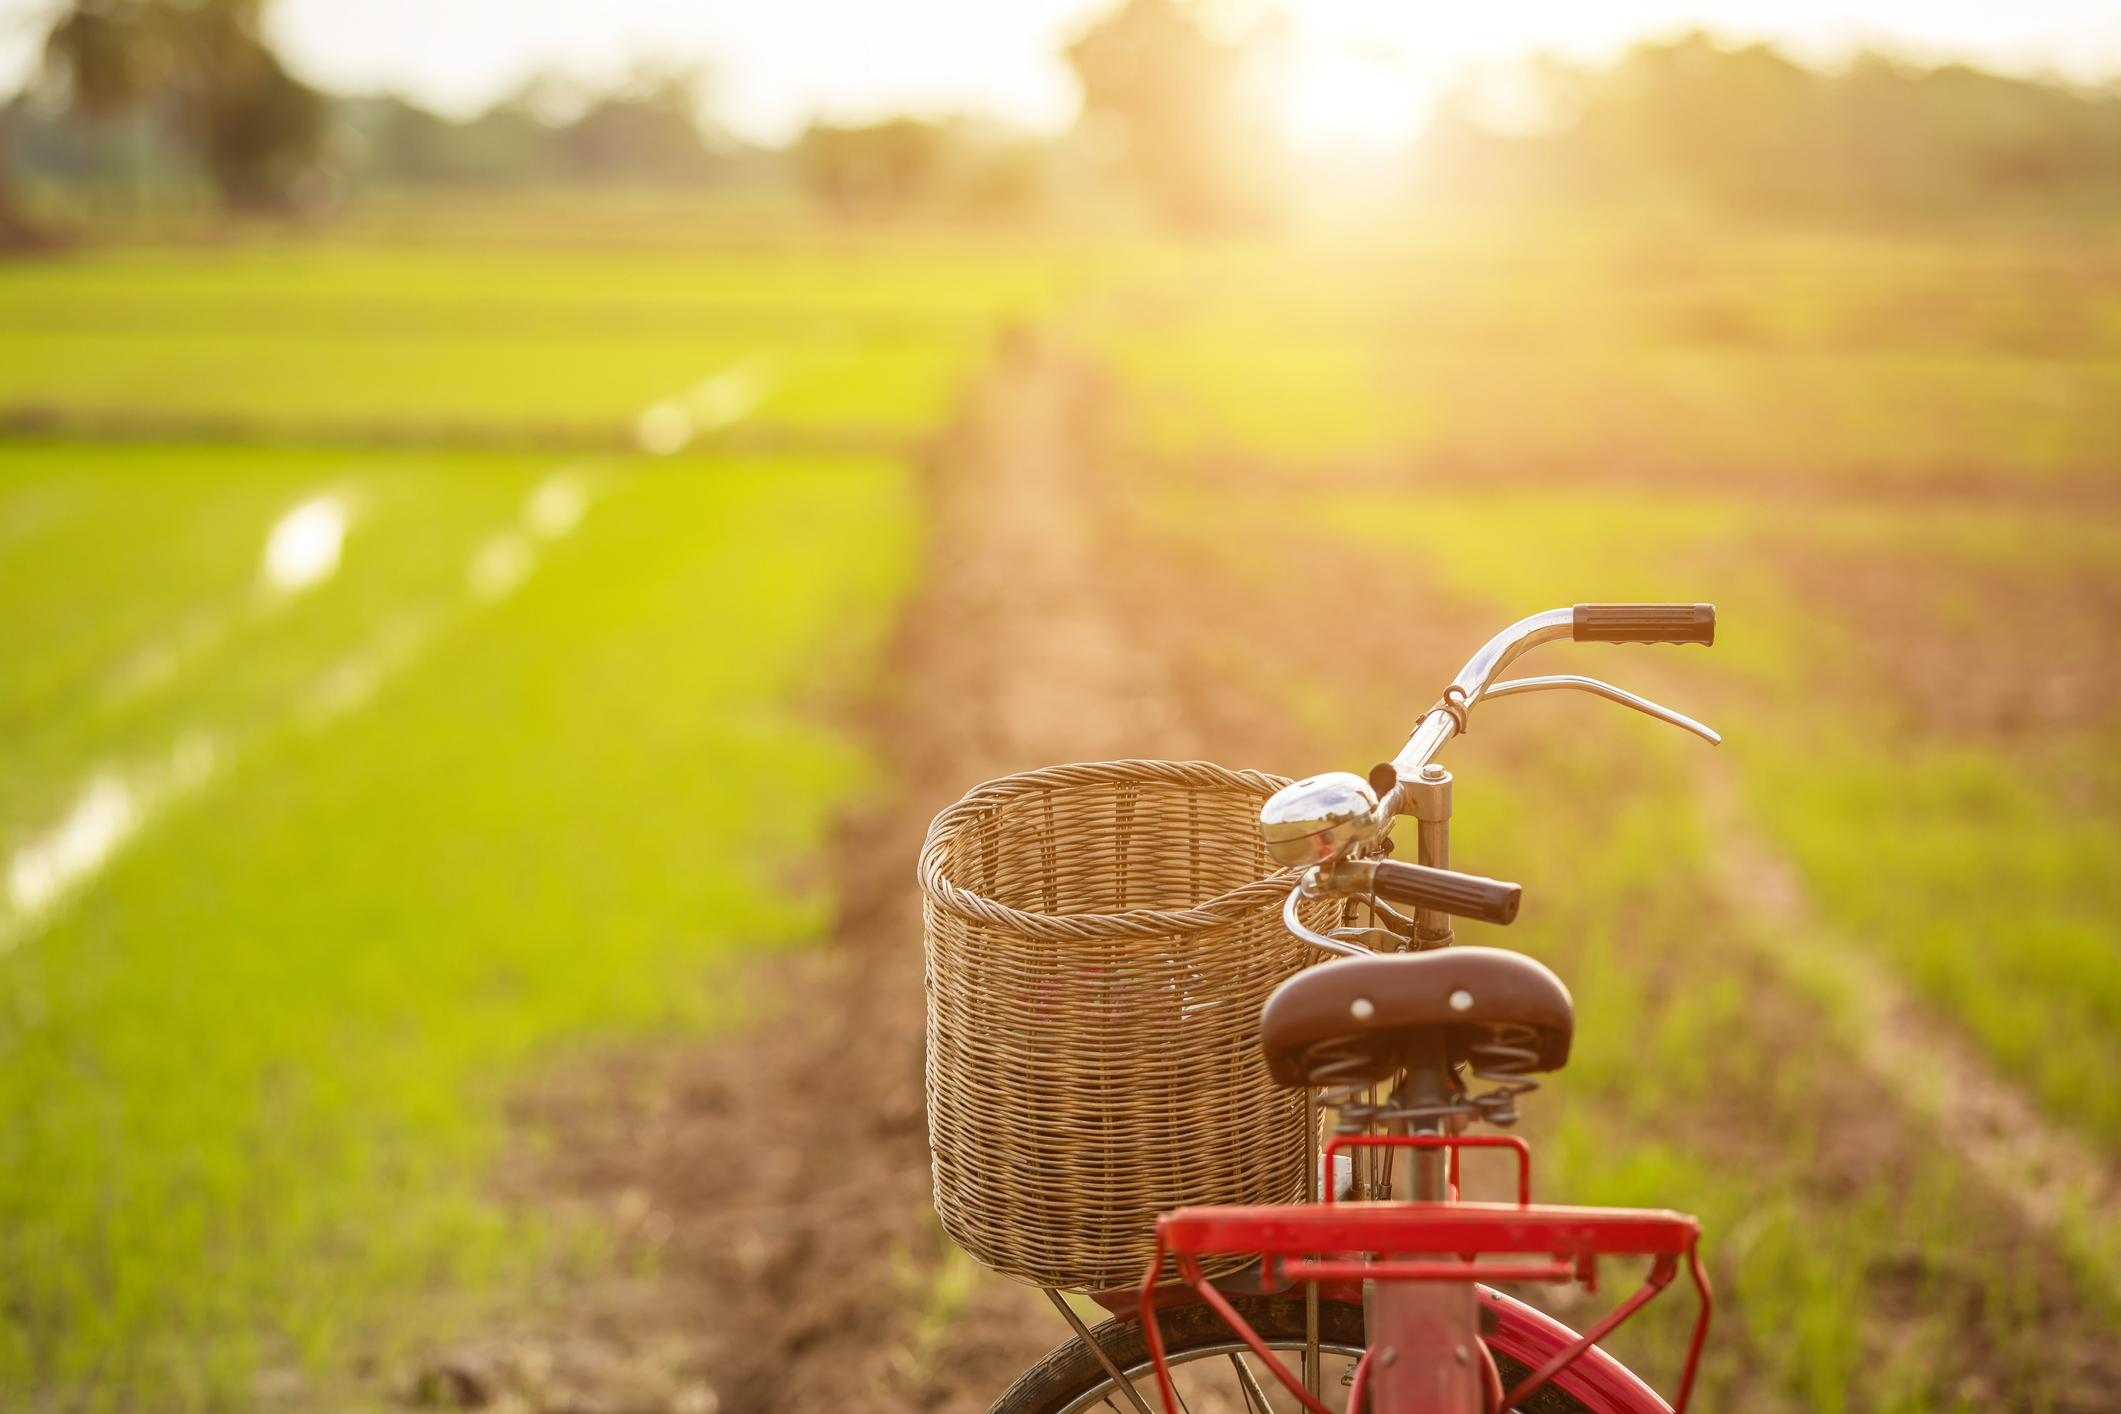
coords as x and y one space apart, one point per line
1423 789
1428 797
1441 724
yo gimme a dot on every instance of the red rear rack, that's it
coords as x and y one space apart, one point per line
1355 1242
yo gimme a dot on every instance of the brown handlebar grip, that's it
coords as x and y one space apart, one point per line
1645 623
1460 895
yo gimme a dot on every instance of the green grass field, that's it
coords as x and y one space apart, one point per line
303 876
440 821
334 339
1499 348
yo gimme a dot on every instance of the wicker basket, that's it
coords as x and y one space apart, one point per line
1100 940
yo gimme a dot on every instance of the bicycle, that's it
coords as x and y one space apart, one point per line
1381 1266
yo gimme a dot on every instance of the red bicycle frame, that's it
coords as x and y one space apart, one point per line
1329 1242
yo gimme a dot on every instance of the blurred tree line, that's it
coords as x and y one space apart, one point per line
144 96
647 128
195 76
1749 130
955 165
150 93
1176 118
201 74
1183 115
1169 118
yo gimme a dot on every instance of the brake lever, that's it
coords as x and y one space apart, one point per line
1607 691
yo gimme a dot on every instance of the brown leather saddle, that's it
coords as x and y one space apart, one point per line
1365 1010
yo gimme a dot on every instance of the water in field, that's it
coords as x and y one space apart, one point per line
336 785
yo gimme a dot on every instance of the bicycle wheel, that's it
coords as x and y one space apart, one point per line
1205 1357
1212 1369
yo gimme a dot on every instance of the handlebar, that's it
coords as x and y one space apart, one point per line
1329 822
1582 623
1419 886
1644 623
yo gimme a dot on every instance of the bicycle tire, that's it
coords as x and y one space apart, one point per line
1070 1379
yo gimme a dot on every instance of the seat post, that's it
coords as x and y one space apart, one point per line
1427 1084
1429 795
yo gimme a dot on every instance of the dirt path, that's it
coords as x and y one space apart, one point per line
771 1191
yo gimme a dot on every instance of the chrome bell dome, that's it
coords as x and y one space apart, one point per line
1320 818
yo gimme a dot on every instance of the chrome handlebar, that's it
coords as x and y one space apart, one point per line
1334 825
1476 683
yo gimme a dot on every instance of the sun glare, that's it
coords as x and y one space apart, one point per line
303 548
1346 96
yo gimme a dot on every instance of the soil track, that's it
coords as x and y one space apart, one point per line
774 1188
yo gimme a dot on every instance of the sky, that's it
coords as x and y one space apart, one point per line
1360 72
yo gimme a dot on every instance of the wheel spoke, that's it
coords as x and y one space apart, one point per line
1253 1393
1105 1396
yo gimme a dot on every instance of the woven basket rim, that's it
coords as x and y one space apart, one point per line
1135 923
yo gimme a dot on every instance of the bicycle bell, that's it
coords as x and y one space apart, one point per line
1320 818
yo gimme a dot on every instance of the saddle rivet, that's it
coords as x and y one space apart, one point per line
1363 1009
1461 1000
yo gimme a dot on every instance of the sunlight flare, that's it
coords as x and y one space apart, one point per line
305 545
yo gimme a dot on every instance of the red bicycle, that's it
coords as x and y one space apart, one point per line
1386 1270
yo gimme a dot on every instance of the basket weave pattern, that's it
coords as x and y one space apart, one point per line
1100 939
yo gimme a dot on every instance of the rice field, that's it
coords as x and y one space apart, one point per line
343 778
1499 348
437 344
305 871
404 631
